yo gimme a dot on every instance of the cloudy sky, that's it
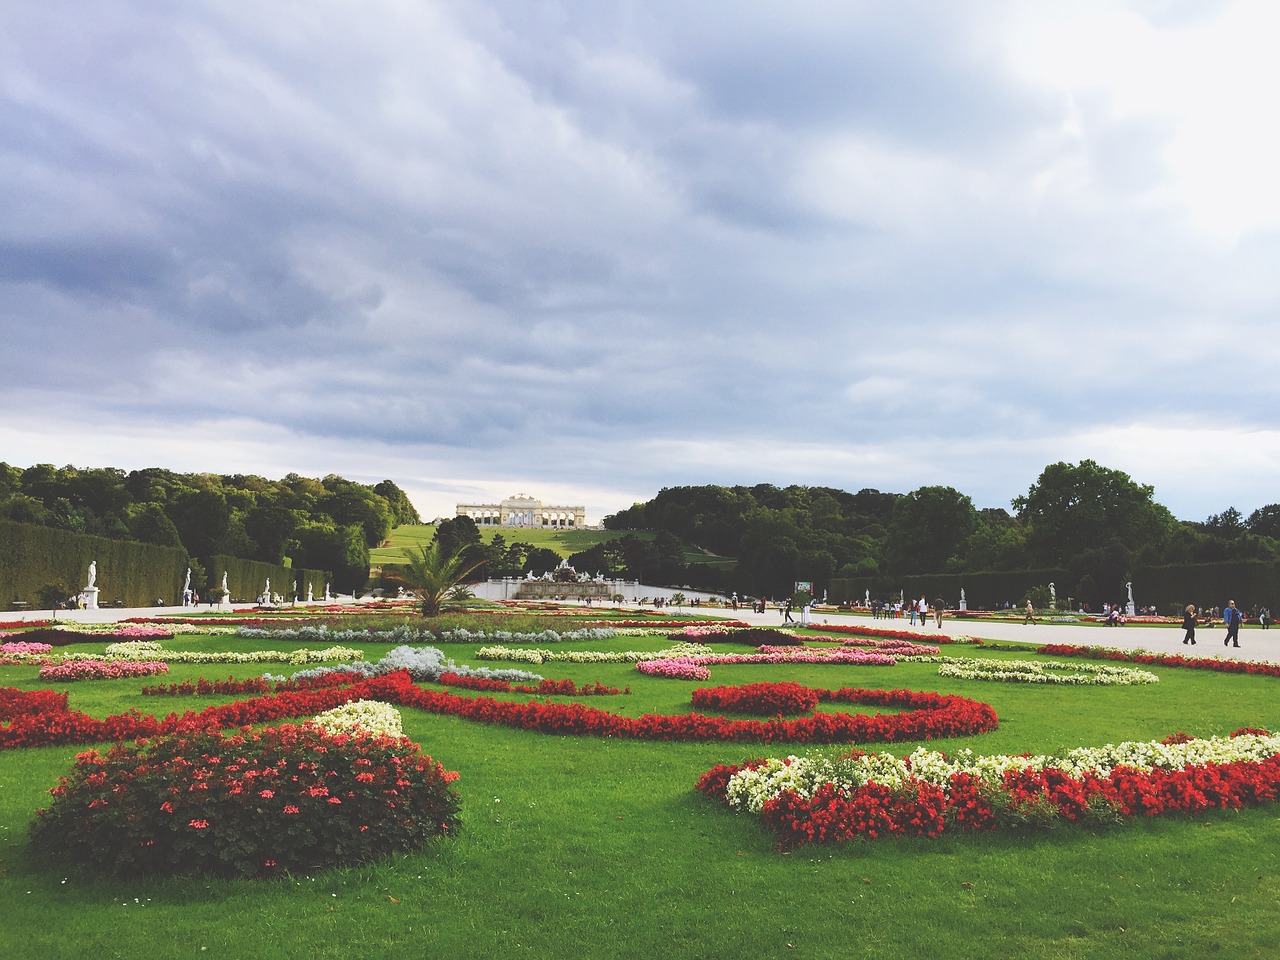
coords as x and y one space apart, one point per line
587 250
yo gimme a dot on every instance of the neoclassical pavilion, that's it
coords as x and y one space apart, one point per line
523 510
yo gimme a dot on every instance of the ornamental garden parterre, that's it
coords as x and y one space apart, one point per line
309 768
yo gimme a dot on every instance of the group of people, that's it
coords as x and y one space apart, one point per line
1232 618
915 610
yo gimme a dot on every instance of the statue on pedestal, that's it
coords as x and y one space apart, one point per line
93 574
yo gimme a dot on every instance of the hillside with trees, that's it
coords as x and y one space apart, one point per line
327 524
1093 524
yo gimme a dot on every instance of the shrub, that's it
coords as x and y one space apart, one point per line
288 798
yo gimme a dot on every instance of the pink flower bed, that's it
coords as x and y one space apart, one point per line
21 646
101 670
695 667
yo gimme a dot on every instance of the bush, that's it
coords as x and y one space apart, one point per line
288 798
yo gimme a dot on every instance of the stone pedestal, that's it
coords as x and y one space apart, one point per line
1130 610
964 604
89 598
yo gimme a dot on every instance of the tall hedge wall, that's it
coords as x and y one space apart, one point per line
983 591
1250 583
1168 588
135 574
246 579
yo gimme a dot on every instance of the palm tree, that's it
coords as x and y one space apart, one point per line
431 573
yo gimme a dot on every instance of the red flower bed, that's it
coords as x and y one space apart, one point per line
761 699
1037 798
1160 659
287 798
928 715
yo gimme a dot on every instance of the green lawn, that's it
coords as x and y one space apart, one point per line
581 847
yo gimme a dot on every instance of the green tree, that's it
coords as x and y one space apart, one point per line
928 528
431 572
1074 509
150 524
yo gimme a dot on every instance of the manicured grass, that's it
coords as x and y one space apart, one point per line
600 848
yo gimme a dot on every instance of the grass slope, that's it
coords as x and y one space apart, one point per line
600 848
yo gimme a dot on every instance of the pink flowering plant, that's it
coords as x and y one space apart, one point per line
285 799
71 670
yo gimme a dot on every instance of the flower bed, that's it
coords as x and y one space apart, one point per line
144 650
203 687
72 670
751 636
24 648
695 667
547 688
1033 671
67 635
926 716
288 798
518 654
1260 668
761 699
876 795
361 716
908 635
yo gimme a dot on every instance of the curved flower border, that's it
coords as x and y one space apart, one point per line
926 794
43 718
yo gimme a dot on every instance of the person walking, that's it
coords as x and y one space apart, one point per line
1231 617
786 613
1031 613
1264 618
937 612
1189 623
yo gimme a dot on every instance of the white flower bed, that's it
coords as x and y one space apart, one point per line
367 716
1042 671
751 789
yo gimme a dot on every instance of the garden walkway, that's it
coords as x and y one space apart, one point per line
1255 643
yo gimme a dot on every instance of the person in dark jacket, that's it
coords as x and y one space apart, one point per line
1189 623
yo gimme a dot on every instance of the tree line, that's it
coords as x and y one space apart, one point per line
327 524
1095 522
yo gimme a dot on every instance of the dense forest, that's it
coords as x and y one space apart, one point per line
327 524
1092 521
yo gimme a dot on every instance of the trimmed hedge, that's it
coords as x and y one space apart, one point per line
135 574
1250 583
247 578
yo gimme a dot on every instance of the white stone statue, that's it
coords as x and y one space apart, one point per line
1053 595
225 592
866 598
962 594
266 591
310 589
1129 588
326 591
186 584
93 574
